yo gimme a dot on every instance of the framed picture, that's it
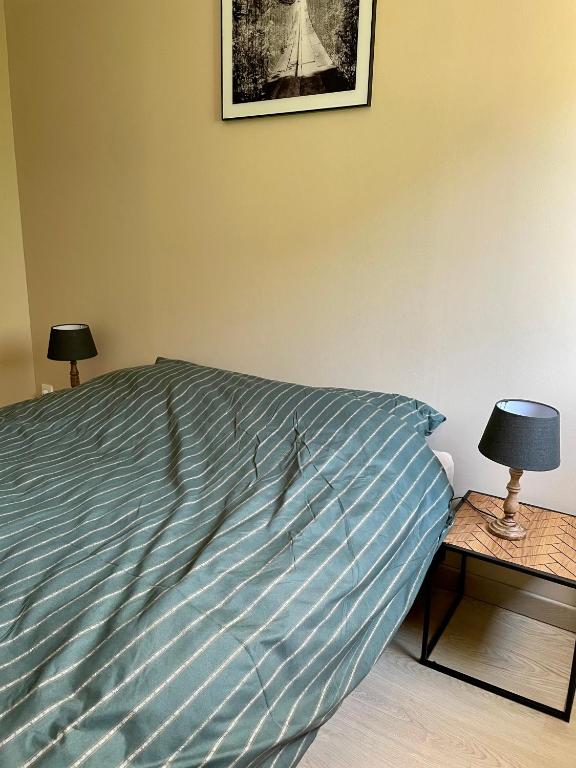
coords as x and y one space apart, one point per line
283 56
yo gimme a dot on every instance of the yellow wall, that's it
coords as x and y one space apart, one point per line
16 371
426 245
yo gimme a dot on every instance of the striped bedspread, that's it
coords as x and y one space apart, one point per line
197 566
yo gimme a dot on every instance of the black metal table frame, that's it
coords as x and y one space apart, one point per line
429 643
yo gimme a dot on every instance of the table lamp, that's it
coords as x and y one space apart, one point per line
71 342
522 435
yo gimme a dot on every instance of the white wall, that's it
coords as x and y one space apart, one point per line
16 369
426 245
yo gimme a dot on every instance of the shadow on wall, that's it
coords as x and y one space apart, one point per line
14 357
16 375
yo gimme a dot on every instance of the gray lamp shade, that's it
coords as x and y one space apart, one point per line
523 435
71 342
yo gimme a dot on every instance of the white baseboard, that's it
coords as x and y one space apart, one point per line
529 596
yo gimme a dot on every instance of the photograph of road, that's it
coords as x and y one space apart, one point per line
288 48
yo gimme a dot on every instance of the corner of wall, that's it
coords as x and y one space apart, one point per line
17 381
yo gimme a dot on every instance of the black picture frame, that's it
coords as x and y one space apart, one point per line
283 91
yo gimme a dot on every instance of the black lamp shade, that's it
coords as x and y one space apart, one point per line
524 435
71 342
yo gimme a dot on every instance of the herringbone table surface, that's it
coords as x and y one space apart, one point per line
549 546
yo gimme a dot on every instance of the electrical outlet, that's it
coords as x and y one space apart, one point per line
46 389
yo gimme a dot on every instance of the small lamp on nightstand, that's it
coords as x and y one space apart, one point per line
522 435
71 342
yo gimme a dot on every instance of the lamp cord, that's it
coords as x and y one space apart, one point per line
483 511
480 511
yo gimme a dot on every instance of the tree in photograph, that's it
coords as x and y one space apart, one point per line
336 24
249 49
259 36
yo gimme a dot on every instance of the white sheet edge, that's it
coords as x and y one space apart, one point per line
448 463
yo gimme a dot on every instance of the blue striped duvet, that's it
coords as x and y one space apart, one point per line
197 566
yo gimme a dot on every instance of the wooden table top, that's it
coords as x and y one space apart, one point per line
549 547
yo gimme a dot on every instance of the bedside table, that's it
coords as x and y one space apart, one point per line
548 552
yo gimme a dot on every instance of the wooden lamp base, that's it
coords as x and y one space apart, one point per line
74 375
506 527
512 532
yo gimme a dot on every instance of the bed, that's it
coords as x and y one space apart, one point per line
198 566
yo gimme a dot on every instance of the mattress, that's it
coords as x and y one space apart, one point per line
197 566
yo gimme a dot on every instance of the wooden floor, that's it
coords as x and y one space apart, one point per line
406 716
